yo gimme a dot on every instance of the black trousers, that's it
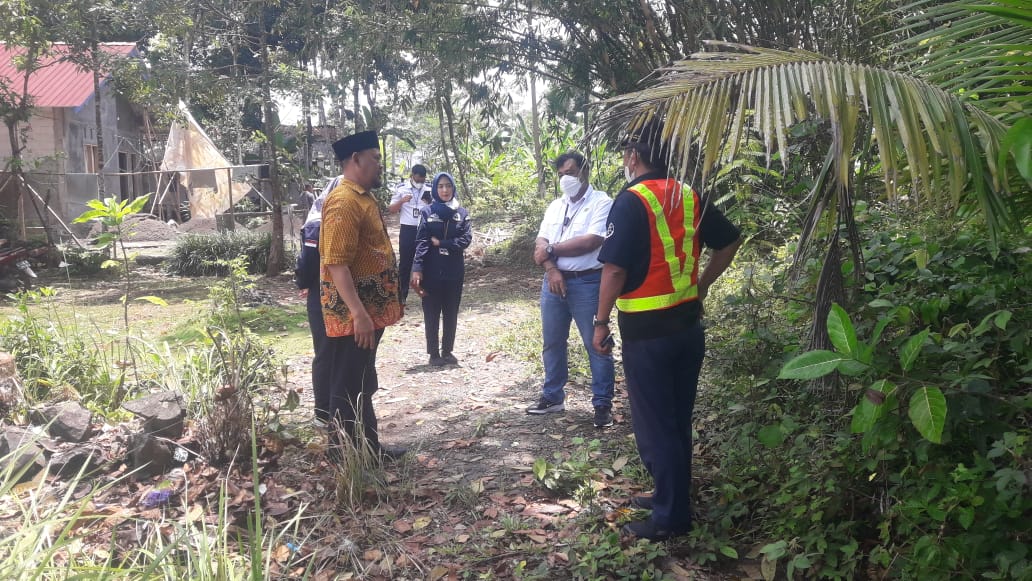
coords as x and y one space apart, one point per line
662 378
407 251
321 361
352 385
441 301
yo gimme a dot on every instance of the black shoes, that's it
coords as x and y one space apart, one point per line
646 529
642 502
392 452
603 413
442 360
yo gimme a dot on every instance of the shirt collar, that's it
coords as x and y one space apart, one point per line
345 182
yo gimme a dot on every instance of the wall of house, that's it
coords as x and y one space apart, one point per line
42 166
56 161
123 132
41 139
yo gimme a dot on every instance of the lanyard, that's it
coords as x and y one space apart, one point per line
567 219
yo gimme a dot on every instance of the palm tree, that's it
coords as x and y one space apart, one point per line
943 130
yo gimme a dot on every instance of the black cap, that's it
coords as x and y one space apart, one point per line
343 148
649 137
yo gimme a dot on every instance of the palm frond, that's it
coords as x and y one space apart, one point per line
707 99
977 50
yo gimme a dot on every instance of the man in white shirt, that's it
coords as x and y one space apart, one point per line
409 198
567 247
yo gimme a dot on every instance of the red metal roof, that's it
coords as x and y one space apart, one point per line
60 83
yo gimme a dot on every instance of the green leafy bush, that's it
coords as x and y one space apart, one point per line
913 461
85 261
603 556
54 355
200 254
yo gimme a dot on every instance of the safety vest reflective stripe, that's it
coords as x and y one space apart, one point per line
673 279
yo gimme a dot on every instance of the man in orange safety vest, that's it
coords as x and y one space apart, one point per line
654 237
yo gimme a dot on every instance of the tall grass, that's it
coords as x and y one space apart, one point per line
56 353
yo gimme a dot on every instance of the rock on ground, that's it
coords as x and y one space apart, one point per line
162 413
67 421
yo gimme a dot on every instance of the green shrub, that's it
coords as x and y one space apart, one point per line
199 254
85 261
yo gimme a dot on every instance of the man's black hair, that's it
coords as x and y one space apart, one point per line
419 170
576 157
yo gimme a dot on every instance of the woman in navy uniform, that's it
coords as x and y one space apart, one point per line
438 268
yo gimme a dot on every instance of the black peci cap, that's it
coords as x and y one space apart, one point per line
343 148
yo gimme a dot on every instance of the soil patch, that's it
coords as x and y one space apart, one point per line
143 228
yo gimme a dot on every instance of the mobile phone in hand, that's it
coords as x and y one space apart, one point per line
609 341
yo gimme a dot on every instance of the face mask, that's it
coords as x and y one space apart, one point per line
570 186
627 174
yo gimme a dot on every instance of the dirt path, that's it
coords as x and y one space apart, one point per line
465 499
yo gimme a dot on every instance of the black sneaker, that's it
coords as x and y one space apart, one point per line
603 416
437 361
450 359
543 406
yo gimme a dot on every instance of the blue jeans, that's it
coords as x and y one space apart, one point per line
579 306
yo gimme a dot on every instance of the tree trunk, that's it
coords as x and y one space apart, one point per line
536 133
459 166
359 122
98 119
306 111
444 139
276 250
22 112
238 128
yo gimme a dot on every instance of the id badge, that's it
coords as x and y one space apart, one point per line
415 213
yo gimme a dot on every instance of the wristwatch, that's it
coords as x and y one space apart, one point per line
550 250
599 323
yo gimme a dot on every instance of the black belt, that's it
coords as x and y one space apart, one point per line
579 273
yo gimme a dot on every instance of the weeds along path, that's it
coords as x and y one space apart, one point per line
465 503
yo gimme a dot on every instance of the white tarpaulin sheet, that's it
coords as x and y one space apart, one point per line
189 149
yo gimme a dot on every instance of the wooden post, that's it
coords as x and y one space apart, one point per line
21 215
232 220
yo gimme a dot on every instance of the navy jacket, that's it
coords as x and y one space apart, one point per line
306 272
446 261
